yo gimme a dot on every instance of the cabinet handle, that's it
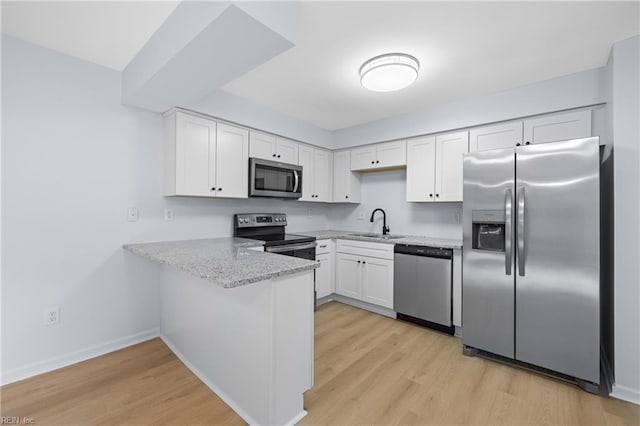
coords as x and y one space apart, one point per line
373 162
437 195
278 155
213 189
346 196
431 195
377 161
518 144
527 143
324 246
273 155
219 189
363 262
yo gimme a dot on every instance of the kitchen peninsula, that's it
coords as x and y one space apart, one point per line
241 320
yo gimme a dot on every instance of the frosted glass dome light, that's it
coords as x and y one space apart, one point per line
389 72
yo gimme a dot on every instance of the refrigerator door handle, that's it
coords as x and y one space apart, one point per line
508 226
520 231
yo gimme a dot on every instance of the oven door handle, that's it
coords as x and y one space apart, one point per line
289 247
296 181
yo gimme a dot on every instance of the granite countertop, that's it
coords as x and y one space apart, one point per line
406 239
228 262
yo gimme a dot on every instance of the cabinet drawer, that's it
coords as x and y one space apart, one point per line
324 246
365 248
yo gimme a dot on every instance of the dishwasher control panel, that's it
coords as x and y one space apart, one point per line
415 250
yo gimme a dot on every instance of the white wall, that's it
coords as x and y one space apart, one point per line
73 160
571 91
387 190
625 87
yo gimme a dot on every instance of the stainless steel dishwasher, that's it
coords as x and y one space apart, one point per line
422 285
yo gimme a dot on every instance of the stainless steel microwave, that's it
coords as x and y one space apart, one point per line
274 179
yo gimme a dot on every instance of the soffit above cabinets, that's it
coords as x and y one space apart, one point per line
465 49
302 58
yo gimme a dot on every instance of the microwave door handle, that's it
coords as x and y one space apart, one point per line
508 253
296 181
520 232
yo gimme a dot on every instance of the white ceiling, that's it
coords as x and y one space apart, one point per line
465 49
108 33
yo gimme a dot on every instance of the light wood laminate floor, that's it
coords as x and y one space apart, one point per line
369 369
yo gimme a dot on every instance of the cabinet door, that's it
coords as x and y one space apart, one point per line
348 275
305 156
363 158
322 175
195 155
286 151
495 137
377 282
232 162
341 168
559 127
262 145
449 151
391 154
323 275
346 184
421 174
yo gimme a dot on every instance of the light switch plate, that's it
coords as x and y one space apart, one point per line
168 215
132 214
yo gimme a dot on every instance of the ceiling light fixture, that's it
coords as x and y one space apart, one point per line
389 72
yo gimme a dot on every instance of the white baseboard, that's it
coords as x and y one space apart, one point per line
626 394
65 360
364 305
223 396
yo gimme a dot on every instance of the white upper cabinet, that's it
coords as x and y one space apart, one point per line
507 135
346 184
204 158
270 147
232 166
434 167
262 145
450 149
316 173
286 151
391 154
421 172
558 127
363 158
379 156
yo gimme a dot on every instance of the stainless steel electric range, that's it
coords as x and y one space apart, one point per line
270 228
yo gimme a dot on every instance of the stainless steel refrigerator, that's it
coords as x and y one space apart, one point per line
531 256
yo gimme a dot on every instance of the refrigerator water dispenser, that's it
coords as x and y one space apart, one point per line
488 231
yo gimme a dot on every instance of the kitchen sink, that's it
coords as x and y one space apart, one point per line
377 236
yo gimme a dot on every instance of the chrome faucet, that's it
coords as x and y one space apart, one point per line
385 228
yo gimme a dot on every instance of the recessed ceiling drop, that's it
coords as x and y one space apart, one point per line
389 72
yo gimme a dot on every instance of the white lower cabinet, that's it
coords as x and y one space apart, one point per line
348 275
365 278
325 274
377 281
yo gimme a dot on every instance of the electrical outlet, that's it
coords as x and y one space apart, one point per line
51 315
168 214
456 217
132 214
310 214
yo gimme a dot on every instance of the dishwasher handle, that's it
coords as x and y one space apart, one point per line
424 251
